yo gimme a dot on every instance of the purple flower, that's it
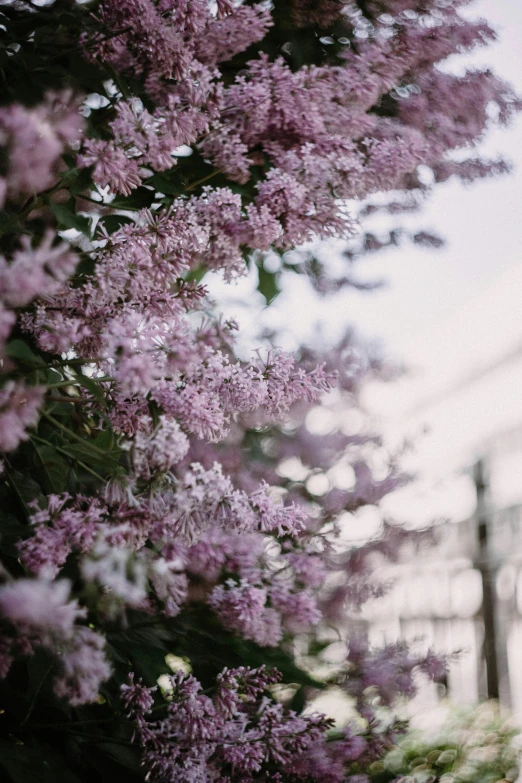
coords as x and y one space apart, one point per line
19 409
137 699
40 606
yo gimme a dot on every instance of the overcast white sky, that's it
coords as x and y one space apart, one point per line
458 313
482 223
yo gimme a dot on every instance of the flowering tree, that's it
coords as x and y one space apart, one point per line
144 511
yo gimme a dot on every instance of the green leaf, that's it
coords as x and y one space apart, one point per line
20 351
92 386
164 184
39 669
38 764
299 700
153 635
53 376
138 199
9 223
105 769
11 531
25 488
268 284
106 440
67 218
127 757
53 467
210 647
112 223
104 463
149 662
196 275
80 180
60 408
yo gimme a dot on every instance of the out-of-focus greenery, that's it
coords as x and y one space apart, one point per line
474 746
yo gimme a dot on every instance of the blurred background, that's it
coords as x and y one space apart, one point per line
458 328
453 318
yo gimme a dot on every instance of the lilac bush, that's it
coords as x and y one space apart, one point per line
145 509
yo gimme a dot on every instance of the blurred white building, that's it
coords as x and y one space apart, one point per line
466 406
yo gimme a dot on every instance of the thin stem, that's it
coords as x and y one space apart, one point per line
204 179
65 362
94 738
61 384
96 40
14 486
103 740
65 454
35 202
73 723
33 700
14 220
72 400
74 382
87 468
134 626
72 434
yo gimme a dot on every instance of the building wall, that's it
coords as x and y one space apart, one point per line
436 601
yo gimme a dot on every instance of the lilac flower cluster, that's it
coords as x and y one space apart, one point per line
31 273
200 528
380 676
38 613
315 128
33 141
352 364
19 409
169 530
160 43
132 315
314 131
235 735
